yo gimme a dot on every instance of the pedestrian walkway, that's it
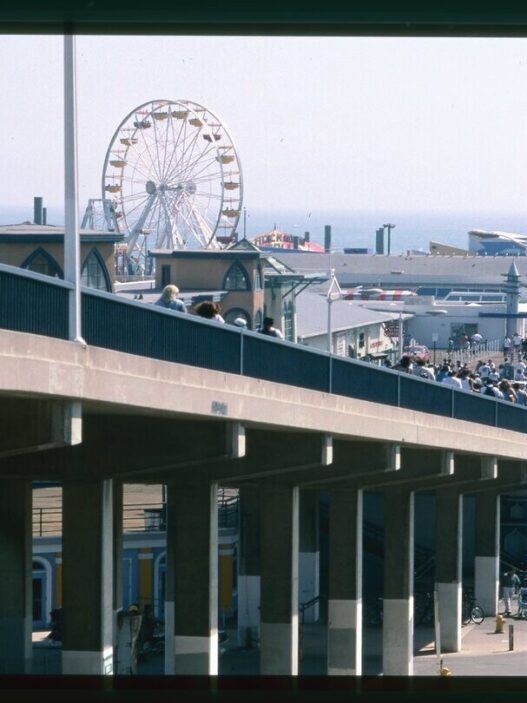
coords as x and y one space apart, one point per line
484 653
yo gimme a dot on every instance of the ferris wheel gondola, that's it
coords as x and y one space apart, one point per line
174 177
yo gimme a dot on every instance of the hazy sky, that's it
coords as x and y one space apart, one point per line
319 123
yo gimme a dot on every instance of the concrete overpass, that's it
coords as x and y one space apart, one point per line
161 397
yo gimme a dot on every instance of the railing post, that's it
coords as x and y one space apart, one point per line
241 351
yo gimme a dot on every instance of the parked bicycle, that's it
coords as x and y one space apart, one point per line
373 611
424 608
471 611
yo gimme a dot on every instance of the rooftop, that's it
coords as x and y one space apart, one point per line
408 270
312 315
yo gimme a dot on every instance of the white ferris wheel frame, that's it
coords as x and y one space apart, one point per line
155 185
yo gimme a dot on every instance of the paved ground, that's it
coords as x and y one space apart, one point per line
484 653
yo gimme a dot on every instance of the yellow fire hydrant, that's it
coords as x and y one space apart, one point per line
443 671
500 622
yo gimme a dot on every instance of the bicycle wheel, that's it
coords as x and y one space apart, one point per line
419 608
477 615
466 615
372 612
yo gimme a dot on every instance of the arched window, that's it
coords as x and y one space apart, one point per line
233 313
258 319
258 284
94 273
288 321
42 262
236 278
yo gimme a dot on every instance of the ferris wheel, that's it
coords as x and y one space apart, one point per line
174 177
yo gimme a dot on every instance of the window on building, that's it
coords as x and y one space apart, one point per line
258 319
236 278
165 275
94 274
288 321
42 262
340 344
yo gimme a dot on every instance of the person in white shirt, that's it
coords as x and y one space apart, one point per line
519 367
484 370
517 344
452 380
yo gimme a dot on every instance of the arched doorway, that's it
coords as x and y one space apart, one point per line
41 592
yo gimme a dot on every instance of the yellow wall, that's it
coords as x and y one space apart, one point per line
15 253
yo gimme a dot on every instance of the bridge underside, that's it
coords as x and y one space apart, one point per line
94 419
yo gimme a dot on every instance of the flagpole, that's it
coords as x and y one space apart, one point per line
71 211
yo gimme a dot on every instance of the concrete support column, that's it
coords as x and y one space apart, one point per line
249 567
279 510
449 529
398 605
486 566
88 592
192 586
345 583
309 555
117 558
15 582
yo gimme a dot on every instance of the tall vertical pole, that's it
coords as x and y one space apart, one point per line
71 224
330 326
400 336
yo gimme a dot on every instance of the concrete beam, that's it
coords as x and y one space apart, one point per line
30 425
102 378
418 466
351 460
133 447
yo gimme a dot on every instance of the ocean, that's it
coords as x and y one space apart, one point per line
349 228
413 230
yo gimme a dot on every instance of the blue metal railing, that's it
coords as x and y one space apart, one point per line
38 304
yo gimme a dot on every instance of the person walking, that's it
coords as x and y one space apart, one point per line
169 299
210 311
269 329
510 583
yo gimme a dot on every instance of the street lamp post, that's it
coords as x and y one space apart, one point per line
334 293
435 338
389 227
400 338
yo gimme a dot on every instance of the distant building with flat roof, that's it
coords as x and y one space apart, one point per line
484 243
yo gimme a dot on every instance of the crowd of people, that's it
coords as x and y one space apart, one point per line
506 381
